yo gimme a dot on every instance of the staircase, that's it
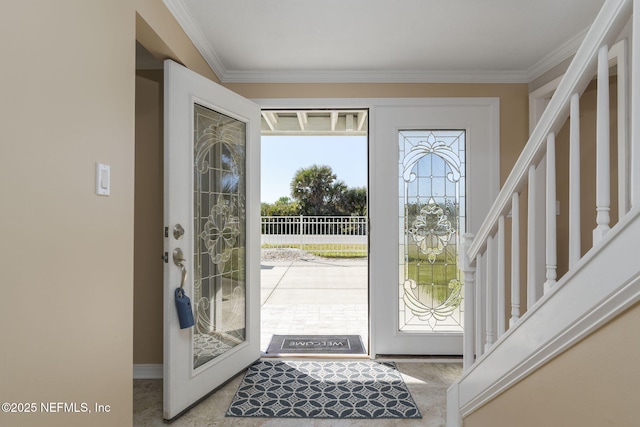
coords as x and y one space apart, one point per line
537 283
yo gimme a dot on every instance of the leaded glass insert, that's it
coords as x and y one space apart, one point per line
432 219
220 234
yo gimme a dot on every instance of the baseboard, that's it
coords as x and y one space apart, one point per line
147 371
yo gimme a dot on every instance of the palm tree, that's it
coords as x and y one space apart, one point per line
317 191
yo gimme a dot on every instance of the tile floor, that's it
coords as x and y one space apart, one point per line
314 296
308 295
427 382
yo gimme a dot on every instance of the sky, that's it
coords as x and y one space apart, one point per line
282 156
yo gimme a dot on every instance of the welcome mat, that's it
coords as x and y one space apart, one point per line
315 344
323 389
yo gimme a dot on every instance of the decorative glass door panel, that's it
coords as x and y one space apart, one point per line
432 218
220 230
212 219
438 158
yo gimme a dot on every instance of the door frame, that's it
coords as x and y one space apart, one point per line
295 104
376 157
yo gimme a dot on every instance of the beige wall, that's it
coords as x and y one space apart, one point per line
159 32
66 255
593 384
148 242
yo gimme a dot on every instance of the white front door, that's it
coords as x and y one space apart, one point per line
212 235
435 174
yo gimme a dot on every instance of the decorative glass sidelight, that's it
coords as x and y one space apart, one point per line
432 219
220 229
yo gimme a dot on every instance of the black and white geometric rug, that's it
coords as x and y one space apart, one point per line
323 389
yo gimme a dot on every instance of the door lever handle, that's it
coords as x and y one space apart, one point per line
179 260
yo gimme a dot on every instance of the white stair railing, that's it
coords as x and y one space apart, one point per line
484 256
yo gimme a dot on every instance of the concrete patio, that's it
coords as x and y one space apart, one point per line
304 294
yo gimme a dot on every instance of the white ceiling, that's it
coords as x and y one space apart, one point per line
384 40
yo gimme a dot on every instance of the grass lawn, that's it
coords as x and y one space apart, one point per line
328 250
433 278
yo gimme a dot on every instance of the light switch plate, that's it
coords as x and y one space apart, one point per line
103 179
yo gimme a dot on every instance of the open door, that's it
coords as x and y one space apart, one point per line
212 240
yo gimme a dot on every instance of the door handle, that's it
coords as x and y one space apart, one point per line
178 259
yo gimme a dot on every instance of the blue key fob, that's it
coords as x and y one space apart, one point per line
183 305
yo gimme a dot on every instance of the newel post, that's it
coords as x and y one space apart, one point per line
468 268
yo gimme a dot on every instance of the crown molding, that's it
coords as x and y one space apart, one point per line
563 52
193 31
179 10
315 76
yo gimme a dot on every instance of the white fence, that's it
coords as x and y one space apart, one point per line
322 235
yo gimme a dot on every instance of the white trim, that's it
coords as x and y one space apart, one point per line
368 76
147 371
180 11
563 52
453 418
480 118
492 169
360 103
618 55
634 107
311 103
343 103
538 100
581 302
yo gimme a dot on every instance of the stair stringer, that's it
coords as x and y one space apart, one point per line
604 283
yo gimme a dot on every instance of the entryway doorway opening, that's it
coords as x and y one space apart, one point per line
314 232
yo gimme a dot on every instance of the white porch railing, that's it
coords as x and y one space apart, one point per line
489 255
324 235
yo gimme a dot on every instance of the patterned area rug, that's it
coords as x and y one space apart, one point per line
323 389
207 347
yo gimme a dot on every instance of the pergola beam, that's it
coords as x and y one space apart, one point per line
302 119
315 122
362 117
334 120
271 118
